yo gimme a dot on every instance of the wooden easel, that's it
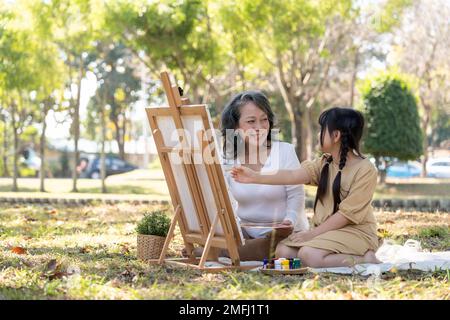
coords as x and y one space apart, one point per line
206 235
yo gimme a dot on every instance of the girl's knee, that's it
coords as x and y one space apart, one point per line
309 257
303 253
280 250
283 251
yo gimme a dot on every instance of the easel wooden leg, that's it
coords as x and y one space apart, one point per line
208 242
170 235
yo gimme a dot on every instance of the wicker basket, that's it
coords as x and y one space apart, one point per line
149 247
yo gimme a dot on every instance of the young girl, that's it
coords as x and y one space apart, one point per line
345 229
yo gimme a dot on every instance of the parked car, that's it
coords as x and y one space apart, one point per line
90 168
438 168
401 169
29 163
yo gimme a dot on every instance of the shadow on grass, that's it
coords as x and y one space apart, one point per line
84 254
125 189
7 188
116 189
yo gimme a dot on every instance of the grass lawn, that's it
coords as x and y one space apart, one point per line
89 253
139 183
151 183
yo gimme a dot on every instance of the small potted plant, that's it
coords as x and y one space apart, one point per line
151 234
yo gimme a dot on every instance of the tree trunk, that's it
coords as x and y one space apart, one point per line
15 146
124 132
42 150
292 105
307 141
382 173
425 124
102 152
195 94
76 132
5 148
120 138
16 167
102 155
353 81
298 134
297 131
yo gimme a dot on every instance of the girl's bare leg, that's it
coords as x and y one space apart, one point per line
284 251
319 258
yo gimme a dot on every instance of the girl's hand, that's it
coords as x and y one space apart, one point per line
244 175
301 236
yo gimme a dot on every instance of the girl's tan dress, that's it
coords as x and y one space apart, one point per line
358 183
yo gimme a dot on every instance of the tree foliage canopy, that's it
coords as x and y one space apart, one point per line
393 125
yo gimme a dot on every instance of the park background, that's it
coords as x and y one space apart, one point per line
75 77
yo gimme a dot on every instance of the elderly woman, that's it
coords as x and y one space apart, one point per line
248 132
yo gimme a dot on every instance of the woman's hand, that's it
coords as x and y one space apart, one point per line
301 236
287 223
244 175
285 230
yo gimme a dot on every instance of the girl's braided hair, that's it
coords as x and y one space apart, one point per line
350 123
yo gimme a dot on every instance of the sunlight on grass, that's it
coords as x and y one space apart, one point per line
90 253
151 182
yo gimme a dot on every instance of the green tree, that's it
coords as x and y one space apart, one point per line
441 124
97 124
303 45
18 65
170 34
114 69
49 68
117 91
76 24
421 49
393 124
4 115
298 41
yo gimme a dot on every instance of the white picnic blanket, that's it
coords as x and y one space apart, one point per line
393 256
401 257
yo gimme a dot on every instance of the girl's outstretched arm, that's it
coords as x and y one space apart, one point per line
280 177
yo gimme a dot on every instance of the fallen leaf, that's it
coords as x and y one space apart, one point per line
57 275
53 270
85 249
389 222
124 248
18 250
54 211
348 296
127 275
51 265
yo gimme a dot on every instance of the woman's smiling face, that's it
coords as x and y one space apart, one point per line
253 124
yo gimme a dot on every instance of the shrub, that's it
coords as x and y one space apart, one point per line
393 124
155 223
435 231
